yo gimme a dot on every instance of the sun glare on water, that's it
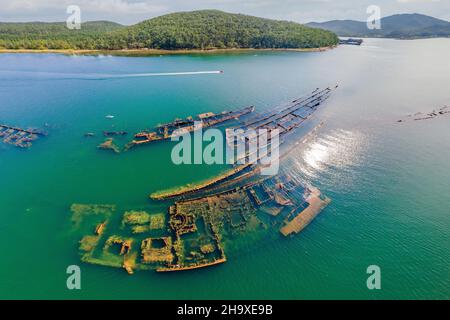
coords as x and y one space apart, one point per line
339 149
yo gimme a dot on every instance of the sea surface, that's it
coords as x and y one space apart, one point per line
389 182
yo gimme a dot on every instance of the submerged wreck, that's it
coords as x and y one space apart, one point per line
109 144
201 223
286 118
419 116
198 230
22 138
166 131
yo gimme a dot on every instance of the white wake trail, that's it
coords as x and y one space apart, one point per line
161 74
45 75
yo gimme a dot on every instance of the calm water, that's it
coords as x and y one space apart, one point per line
389 182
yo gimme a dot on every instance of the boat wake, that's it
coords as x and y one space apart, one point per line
39 75
161 74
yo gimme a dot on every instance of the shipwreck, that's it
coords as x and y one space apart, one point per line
168 130
22 138
202 221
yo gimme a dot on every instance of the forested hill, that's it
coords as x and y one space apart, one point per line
206 29
54 35
216 29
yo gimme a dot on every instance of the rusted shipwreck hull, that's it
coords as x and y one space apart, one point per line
166 131
22 138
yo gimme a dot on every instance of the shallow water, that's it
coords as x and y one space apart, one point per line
389 182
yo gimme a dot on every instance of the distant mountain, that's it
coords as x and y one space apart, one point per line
403 26
205 29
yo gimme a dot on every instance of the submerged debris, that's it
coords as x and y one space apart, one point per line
108 144
100 228
426 116
89 242
304 217
22 138
82 211
135 217
141 221
157 250
114 133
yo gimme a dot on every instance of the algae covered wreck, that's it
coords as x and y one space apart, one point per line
168 130
19 137
196 226
198 230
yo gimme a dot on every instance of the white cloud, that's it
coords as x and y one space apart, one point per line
415 1
92 9
132 11
91 5
120 6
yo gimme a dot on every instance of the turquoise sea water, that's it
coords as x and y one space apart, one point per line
389 182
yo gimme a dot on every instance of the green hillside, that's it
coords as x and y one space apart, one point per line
216 29
55 35
206 29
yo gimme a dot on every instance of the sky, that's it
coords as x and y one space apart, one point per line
133 11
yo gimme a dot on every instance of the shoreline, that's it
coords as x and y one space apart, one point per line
153 52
